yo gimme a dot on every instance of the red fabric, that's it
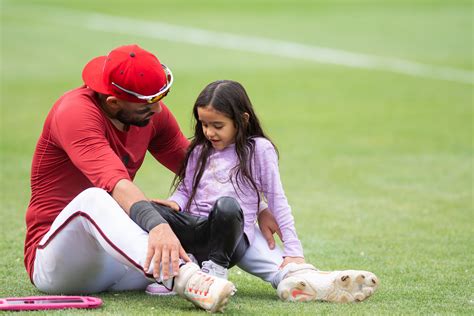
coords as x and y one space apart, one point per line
80 148
131 67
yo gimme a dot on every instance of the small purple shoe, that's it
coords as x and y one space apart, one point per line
158 289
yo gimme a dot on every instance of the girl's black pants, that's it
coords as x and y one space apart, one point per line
219 237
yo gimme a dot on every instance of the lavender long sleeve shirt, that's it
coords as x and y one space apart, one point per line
216 182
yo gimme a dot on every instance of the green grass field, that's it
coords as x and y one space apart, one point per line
377 164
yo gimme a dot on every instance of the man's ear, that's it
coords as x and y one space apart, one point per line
112 104
246 117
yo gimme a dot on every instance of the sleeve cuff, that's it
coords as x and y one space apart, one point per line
110 185
293 249
180 199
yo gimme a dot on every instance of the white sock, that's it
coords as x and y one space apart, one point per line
212 268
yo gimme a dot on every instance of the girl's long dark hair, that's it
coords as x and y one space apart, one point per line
229 98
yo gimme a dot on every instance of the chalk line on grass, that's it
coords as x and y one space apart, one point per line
196 36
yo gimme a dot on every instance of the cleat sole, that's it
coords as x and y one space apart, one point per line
338 286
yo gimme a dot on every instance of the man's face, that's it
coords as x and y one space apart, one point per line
137 114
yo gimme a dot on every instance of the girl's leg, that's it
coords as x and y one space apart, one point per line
218 238
303 282
226 232
262 261
92 246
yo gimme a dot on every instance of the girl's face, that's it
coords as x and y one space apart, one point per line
218 128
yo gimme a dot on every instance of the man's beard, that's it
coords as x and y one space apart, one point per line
125 119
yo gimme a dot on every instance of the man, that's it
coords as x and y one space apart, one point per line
89 227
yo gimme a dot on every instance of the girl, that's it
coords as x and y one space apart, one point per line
229 174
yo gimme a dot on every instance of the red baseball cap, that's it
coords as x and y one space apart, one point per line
129 73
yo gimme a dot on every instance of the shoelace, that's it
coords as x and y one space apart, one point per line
200 284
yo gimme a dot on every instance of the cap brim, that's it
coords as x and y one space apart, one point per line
93 75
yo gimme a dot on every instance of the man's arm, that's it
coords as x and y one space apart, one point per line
80 132
126 193
163 245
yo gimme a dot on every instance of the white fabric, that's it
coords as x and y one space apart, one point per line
262 261
92 246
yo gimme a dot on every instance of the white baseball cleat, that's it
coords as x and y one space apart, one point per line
306 283
203 290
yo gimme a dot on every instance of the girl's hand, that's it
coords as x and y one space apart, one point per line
287 260
268 227
171 204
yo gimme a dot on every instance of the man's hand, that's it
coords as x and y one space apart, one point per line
171 204
163 245
268 226
165 248
291 259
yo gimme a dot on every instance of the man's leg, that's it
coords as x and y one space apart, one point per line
92 246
